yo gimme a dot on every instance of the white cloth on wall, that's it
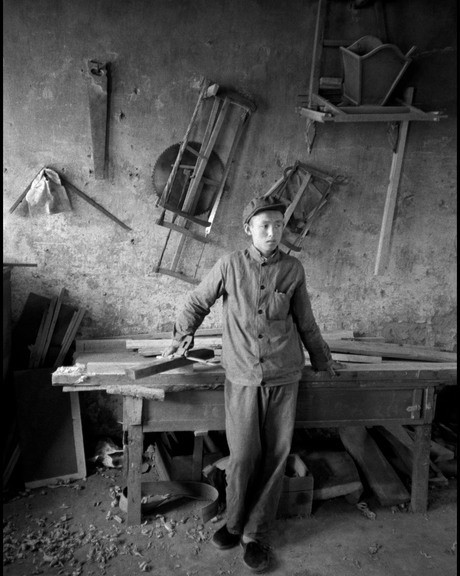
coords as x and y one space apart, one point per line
47 195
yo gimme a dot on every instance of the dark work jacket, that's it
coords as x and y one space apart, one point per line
267 316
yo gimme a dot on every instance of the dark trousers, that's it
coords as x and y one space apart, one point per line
259 424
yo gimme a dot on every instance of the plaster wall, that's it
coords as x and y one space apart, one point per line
158 51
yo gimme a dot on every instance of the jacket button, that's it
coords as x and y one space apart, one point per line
261 360
259 311
262 287
260 336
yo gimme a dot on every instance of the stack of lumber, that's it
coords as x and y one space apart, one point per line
344 346
42 339
44 332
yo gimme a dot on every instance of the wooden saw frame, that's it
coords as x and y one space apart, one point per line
305 190
224 115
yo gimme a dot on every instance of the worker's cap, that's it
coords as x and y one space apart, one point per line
261 204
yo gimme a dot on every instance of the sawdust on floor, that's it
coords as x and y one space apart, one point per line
77 529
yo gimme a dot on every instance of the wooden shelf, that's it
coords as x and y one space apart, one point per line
324 111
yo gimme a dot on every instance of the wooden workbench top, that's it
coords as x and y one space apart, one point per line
98 370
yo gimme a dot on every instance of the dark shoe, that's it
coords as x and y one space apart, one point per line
224 540
256 556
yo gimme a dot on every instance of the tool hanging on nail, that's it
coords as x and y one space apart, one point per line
98 82
196 177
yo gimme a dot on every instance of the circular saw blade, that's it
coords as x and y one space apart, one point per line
163 166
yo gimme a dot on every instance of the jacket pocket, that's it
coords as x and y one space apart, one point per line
278 306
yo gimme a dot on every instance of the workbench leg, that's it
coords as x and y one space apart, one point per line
197 465
133 447
421 468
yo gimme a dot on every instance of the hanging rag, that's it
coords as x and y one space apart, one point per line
47 195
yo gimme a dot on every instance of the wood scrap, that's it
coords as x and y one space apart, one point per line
382 478
167 364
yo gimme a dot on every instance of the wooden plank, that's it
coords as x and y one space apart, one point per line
383 250
136 391
132 458
387 350
380 375
101 344
212 337
316 60
52 325
380 475
36 347
45 332
360 358
49 427
13 264
167 364
26 329
356 115
70 335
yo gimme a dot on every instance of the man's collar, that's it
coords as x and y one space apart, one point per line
261 258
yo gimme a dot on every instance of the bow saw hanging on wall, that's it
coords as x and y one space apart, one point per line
189 178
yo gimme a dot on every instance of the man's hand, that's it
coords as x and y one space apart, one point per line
333 367
171 350
178 347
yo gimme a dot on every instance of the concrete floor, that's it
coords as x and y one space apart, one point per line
72 530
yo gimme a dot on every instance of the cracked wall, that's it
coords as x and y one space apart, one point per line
158 51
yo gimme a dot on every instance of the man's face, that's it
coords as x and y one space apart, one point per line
266 229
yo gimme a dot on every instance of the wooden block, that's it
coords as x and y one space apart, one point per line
297 491
382 478
334 472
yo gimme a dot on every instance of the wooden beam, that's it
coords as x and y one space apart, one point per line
383 251
380 475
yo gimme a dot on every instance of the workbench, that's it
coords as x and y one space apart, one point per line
397 392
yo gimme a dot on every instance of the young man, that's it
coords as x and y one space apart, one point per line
267 317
